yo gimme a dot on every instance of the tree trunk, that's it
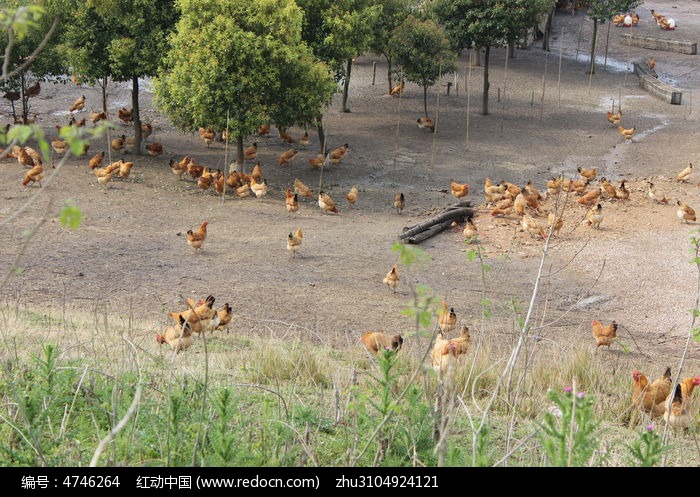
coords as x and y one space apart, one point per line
425 99
137 117
240 158
24 98
485 99
346 85
388 71
510 51
321 134
547 31
595 35
103 84
476 62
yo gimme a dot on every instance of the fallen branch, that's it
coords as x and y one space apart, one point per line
426 229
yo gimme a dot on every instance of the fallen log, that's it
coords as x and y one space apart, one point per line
426 229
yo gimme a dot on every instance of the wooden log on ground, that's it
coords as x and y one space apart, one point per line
688 47
426 229
656 87
425 234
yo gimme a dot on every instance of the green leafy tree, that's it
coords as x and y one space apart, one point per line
424 53
127 43
30 35
238 64
393 14
488 23
339 30
601 11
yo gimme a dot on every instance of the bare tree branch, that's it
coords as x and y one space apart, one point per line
5 75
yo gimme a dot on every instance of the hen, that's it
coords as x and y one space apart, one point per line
302 189
375 342
208 135
326 203
179 337
78 105
627 133
685 212
34 175
291 201
588 174
649 398
458 190
603 334
656 195
154 149
392 278
595 216
683 176
351 196
447 320
251 152
96 160
195 239
338 154
445 352
294 241
126 115
258 188
425 123
531 226
96 117
398 89
622 192
399 202
678 415
118 143
287 156
615 118
469 231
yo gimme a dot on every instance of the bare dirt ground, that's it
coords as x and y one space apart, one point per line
130 254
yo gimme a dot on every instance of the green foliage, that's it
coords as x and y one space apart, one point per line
21 20
488 23
604 10
422 50
570 435
71 215
648 449
243 60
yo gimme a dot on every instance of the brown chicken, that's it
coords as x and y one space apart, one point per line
154 149
627 133
243 191
469 232
398 89
288 156
96 117
301 189
399 202
251 152
259 188
125 169
590 198
59 146
257 172
201 317
603 334
326 203
651 63
622 192
305 140
263 129
34 175
615 118
126 115
607 189
392 278
338 154
503 207
119 143
225 315
654 194
96 160
446 351
208 135
195 239
294 241
351 196
426 123
78 105
194 169
530 225
685 174
105 174
318 160
458 190
588 174
206 179
286 137
291 201
649 398
685 212
179 336
555 222
376 342
595 216
447 320
678 415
